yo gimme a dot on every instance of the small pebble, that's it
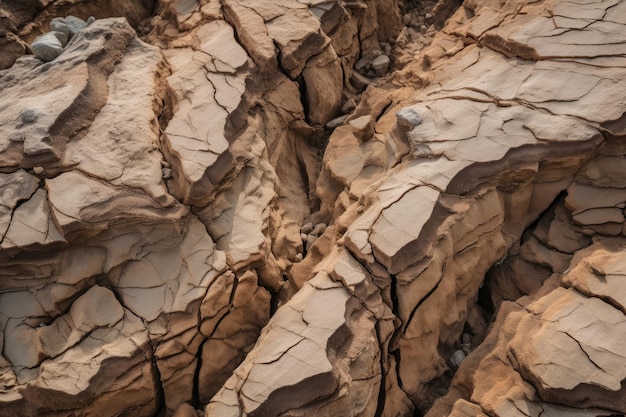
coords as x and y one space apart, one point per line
29 116
74 24
319 229
167 173
307 228
38 170
310 241
363 64
336 122
409 118
62 37
380 64
47 46
298 257
457 358
358 81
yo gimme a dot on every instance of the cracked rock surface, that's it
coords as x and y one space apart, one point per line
261 208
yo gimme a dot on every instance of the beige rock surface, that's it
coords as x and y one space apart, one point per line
187 228
553 353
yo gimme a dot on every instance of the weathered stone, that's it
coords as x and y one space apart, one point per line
380 65
362 127
47 46
348 106
173 253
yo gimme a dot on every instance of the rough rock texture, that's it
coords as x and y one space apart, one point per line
557 352
244 213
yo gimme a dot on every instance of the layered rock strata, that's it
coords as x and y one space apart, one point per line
179 233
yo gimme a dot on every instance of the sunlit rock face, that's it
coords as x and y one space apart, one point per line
259 208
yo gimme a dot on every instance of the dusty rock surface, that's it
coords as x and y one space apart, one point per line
298 208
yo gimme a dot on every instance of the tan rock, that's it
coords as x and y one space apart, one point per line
205 81
15 187
238 216
155 269
32 225
292 352
121 143
552 341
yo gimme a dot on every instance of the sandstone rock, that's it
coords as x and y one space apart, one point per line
15 187
192 238
206 80
550 341
362 127
31 224
293 351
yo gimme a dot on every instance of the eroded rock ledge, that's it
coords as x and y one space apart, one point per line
187 227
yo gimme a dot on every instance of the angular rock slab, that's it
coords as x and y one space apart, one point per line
559 352
321 345
207 79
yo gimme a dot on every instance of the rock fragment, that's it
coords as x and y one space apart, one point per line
380 65
48 46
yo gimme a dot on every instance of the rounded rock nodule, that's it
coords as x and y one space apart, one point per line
50 45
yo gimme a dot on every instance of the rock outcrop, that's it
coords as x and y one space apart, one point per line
292 209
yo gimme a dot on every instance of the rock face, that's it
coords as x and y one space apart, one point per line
264 208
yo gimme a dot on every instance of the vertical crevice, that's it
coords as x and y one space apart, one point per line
195 395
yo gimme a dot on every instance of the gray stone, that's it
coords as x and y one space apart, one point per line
28 116
319 229
310 241
75 24
409 118
363 63
58 25
359 81
457 358
336 122
61 36
307 228
47 46
380 64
